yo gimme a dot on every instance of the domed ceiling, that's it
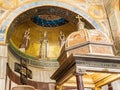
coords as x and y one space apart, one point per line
49 19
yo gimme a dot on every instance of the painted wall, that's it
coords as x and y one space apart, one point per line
113 14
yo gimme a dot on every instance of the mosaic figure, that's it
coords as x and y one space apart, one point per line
25 40
61 38
43 46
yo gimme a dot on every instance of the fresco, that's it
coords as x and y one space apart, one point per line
1 37
94 1
8 2
105 25
117 5
109 6
1 13
21 1
96 11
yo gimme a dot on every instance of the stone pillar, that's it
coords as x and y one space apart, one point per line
3 61
79 80
79 73
110 86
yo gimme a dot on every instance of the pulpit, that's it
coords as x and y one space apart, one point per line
84 41
86 51
23 87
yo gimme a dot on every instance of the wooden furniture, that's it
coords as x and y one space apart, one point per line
86 51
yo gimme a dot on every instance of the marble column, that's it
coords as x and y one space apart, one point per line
3 61
110 86
79 81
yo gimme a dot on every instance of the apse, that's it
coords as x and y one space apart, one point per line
44 25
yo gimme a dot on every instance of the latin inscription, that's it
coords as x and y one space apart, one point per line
99 64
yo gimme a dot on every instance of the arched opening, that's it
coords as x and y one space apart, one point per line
57 19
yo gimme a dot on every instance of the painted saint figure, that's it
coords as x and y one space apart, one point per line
43 46
25 40
61 38
80 24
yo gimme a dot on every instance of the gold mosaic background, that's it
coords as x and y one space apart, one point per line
36 33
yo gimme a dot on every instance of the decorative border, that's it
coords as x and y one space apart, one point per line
26 7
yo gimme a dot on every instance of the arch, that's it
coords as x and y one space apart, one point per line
6 24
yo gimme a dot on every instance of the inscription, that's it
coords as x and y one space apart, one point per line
99 64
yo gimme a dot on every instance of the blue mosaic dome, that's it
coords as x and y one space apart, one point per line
45 22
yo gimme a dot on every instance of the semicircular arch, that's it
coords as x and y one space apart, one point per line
6 24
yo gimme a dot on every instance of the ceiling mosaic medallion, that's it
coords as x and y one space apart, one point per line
49 20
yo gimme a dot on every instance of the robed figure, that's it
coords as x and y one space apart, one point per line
61 38
25 40
43 53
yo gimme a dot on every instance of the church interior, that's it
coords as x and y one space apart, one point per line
59 45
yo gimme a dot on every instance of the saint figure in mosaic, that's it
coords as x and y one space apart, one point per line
43 53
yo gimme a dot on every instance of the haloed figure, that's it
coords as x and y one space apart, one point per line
43 46
25 40
61 38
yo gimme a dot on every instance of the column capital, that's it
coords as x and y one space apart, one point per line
80 71
79 80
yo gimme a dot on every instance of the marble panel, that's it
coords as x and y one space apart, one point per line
3 51
2 84
3 62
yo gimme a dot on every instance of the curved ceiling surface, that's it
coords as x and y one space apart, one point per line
65 14
49 20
